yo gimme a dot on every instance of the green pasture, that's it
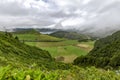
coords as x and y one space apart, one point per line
37 37
63 48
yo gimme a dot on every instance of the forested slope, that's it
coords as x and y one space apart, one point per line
106 53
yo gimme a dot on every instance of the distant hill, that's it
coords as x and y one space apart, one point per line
34 35
26 31
106 53
46 29
41 30
69 35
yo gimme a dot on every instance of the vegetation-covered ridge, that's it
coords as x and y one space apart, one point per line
15 52
70 35
106 53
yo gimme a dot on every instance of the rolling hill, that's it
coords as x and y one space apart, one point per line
106 53
69 35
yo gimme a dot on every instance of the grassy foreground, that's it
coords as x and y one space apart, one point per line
75 73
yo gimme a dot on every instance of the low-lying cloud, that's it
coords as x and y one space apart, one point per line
86 16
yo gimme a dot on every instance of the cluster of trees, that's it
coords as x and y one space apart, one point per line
10 35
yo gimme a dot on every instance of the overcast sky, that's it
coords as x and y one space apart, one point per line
82 15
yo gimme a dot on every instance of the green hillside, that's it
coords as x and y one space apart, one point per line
34 36
15 53
70 35
106 53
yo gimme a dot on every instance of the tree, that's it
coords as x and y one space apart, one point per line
17 38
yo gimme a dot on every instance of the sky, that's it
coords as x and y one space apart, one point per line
87 16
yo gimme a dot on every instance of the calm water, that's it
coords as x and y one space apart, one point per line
49 32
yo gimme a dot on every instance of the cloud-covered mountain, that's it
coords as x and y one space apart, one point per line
88 16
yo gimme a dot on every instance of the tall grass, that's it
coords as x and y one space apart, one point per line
75 73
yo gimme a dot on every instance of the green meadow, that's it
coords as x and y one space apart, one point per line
37 37
69 49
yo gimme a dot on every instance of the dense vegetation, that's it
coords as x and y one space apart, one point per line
106 53
31 35
75 73
70 35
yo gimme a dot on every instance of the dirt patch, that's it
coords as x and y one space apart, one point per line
66 59
84 46
69 58
59 58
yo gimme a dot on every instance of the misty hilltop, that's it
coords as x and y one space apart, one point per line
70 35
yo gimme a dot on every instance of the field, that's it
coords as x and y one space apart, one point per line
36 37
69 49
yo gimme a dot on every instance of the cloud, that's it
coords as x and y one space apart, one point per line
87 16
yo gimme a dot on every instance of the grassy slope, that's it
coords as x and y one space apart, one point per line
16 53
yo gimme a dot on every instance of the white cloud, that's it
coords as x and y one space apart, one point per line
86 1
80 14
73 22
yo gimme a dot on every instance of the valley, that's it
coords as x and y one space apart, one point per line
35 55
57 47
59 39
